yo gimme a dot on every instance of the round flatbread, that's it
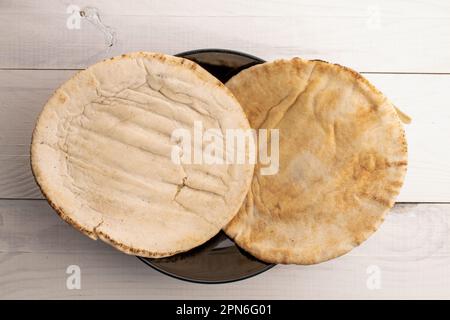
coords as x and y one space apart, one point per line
102 154
342 161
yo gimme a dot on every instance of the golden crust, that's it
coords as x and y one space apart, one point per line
45 152
343 157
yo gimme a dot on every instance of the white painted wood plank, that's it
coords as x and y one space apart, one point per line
411 250
368 36
268 8
23 93
424 98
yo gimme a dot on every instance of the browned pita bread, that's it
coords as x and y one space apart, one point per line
101 153
343 158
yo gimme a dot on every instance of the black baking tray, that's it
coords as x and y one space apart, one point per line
219 260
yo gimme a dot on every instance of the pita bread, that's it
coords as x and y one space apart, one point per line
101 153
343 158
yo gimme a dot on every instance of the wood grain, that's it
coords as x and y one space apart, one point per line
411 250
393 36
24 92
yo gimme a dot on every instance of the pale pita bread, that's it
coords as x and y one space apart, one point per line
343 158
101 153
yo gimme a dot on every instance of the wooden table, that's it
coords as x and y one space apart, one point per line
403 47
